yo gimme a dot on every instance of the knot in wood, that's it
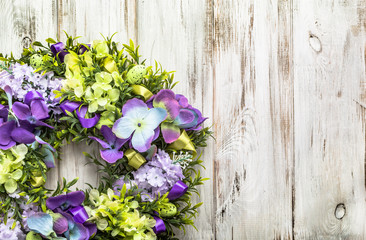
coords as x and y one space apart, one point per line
340 211
315 43
26 42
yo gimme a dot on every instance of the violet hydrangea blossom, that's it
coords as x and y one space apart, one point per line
23 79
156 177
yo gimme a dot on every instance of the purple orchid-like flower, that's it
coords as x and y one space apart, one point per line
69 206
111 152
139 122
64 202
28 115
33 110
67 106
180 114
60 225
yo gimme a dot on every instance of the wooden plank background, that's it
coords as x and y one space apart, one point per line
283 82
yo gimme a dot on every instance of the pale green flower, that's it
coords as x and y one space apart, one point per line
103 80
11 165
95 99
101 47
119 216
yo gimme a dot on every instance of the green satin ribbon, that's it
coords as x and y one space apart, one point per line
183 143
37 181
135 159
142 91
110 65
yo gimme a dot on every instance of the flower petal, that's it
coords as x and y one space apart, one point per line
67 106
5 130
60 224
134 108
123 127
39 109
55 202
166 99
41 223
79 232
86 122
49 158
120 142
75 198
108 134
21 110
22 135
154 117
111 155
91 228
32 95
186 118
142 138
170 132
101 142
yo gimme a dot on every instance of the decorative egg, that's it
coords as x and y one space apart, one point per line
169 210
136 74
36 61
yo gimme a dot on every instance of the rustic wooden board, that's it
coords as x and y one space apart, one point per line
253 117
329 76
283 83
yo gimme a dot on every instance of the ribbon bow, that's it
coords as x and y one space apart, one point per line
79 213
183 142
135 159
58 49
142 91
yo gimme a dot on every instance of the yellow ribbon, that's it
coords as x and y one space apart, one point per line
142 91
135 159
183 142
110 65
37 181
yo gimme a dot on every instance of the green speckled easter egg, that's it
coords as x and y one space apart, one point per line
136 74
36 61
168 211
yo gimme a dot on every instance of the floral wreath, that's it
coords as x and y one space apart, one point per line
148 135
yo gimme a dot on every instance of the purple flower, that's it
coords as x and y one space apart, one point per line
111 152
67 106
139 122
157 176
64 202
33 110
180 114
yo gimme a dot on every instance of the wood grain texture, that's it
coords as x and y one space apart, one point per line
329 75
283 82
253 117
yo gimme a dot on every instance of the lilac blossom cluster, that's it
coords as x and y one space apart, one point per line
156 177
22 79
6 230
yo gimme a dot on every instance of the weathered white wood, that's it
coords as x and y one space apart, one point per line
283 83
22 22
253 105
90 20
329 77
178 34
